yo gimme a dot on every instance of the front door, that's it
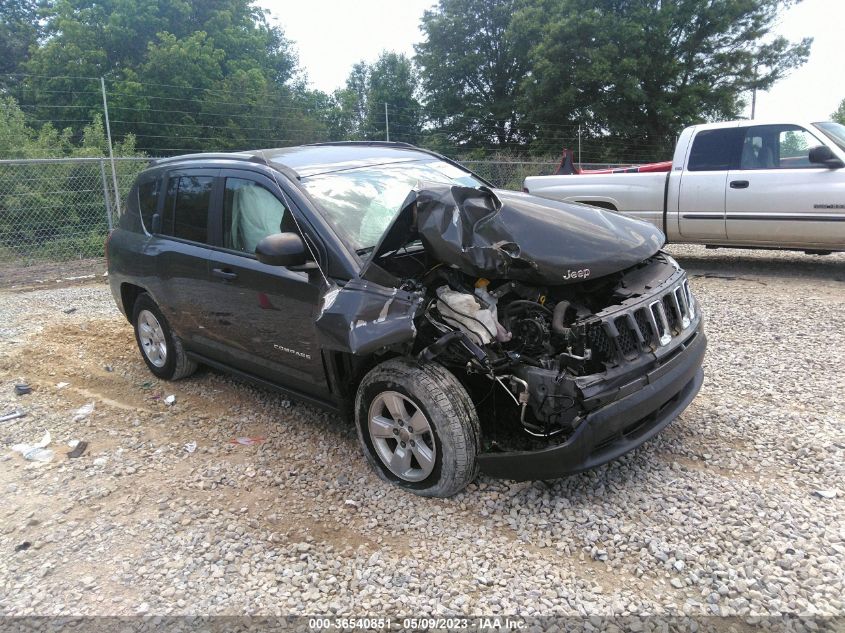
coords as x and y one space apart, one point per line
777 196
701 200
263 319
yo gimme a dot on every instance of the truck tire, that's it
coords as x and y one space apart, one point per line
438 458
160 348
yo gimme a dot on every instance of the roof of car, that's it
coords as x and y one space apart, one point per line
319 158
752 122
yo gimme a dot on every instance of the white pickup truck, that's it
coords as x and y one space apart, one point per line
740 183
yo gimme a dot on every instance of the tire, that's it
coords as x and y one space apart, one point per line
160 348
443 455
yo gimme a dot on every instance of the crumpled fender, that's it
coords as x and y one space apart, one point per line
363 317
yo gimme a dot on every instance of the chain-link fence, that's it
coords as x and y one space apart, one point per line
509 174
55 210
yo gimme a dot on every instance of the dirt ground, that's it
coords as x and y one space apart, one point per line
736 509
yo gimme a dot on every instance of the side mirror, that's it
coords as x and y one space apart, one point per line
823 155
282 249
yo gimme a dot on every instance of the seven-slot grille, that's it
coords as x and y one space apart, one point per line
645 327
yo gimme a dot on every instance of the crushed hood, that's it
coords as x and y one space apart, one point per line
508 235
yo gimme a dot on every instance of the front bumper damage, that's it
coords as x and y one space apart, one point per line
658 343
628 416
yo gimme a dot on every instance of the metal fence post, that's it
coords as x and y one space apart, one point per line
106 193
111 152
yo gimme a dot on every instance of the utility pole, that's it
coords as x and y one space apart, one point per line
579 143
754 94
386 125
111 152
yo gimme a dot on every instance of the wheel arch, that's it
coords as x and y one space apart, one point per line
345 372
129 293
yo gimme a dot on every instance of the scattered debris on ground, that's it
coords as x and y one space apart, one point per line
734 509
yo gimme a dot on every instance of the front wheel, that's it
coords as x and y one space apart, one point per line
418 427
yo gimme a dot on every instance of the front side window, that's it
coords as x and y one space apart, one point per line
250 213
777 147
186 207
715 150
361 203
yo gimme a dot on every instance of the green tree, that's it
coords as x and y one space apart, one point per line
839 115
358 109
183 74
640 70
391 81
349 109
472 63
19 32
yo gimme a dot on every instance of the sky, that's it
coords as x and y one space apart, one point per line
331 35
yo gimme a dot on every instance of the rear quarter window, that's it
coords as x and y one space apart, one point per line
716 150
148 191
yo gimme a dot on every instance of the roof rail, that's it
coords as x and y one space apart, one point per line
209 155
368 143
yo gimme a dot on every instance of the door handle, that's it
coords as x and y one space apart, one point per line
739 184
224 273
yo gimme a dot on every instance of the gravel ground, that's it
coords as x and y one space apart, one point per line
737 508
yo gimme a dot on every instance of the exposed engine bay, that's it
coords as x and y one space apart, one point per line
551 337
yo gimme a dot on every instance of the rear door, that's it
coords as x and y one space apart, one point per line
776 196
181 251
701 200
264 315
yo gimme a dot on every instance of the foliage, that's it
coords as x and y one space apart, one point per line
524 76
54 210
472 63
184 75
640 70
392 82
19 31
839 115
632 72
358 112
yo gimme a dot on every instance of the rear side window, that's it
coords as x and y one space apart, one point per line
716 150
148 201
186 207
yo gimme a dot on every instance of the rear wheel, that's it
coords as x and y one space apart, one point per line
160 348
418 427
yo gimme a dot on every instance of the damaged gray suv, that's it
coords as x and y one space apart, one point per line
463 328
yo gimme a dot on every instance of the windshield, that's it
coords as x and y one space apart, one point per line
834 131
361 203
